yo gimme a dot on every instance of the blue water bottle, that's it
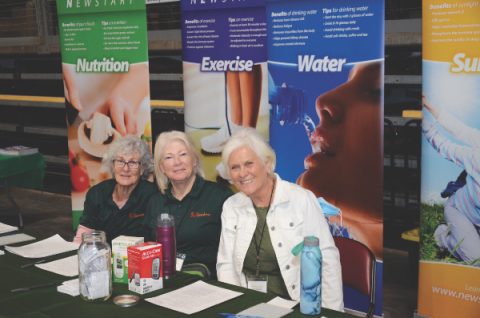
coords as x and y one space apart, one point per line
311 277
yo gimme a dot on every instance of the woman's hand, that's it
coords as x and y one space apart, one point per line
72 93
425 103
124 101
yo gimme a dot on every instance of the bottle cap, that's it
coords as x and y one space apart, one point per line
310 241
126 300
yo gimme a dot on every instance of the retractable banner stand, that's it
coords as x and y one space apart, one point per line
105 69
325 72
449 277
225 74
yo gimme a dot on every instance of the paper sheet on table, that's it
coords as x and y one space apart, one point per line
67 266
47 247
5 228
194 297
15 238
70 287
265 311
282 302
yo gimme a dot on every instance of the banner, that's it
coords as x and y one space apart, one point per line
104 51
325 69
449 275
225 75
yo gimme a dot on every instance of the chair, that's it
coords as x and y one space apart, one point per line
198 269
358 268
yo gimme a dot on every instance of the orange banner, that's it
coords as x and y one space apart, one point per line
451 33
449 290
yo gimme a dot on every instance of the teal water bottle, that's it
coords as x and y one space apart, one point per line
310 277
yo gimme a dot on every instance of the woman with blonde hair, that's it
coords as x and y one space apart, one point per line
195 203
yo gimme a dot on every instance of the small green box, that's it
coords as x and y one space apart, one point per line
119 254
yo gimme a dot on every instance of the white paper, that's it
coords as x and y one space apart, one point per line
282 302
67 266
70 287
2 252
47 247
194 297
15 238
5 228
265 311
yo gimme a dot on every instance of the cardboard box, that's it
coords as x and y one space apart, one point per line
145 268
119 254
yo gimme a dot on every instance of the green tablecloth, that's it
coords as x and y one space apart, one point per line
22 171
47 302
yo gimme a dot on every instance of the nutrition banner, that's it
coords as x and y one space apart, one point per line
104 51
449 276
224 73
325 74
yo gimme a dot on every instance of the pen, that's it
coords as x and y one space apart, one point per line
22 289
34 263
230 315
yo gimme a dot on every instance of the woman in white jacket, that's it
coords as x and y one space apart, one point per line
265 220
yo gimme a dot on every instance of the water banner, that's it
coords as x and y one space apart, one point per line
325 76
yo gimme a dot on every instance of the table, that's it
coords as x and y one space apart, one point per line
22 171
47 302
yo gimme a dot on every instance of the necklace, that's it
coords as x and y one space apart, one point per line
259 244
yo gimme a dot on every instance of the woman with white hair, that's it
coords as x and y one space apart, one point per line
118 205
195 203
265 220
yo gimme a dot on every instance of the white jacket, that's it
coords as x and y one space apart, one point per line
294 214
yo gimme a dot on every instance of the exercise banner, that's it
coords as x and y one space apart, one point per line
449 276
105 69
224 69
325 73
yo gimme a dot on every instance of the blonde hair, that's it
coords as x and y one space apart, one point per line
249 137
162 141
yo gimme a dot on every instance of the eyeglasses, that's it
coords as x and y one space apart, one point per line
132 164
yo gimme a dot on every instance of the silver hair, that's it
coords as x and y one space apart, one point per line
162 141
129 145
249 137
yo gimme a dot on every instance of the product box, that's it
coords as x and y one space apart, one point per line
145 269
119 254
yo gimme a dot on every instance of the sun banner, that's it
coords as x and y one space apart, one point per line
449 276
104 51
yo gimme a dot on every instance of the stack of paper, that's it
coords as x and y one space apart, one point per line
70 287
282 302
200 296
67 266
265 311
15 238
5 228
18 150
47 247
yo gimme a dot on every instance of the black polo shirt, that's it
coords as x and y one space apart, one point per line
197 220
101 213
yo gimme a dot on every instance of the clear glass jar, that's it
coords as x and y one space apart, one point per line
94 266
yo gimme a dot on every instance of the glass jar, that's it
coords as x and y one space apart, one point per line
94 266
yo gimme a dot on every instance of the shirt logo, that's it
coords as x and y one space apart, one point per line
199 214
133 215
